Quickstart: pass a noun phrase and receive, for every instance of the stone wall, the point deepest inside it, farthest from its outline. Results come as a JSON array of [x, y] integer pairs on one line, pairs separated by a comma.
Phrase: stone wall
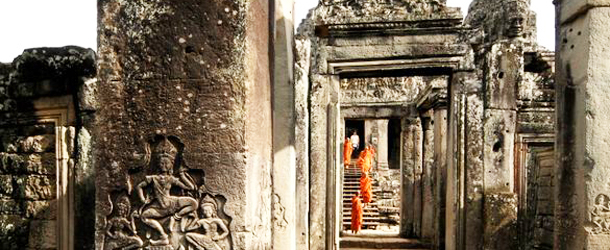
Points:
[[28, 197], [43, 173]]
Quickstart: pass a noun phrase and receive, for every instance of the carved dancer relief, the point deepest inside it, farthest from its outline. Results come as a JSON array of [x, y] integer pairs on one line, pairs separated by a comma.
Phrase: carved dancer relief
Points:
[[167, 196], [600, 215], [120, 231], [210, 232], [279, 216]]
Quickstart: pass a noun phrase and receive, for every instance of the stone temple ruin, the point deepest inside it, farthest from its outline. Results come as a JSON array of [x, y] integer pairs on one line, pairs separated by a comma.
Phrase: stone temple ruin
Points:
[[211, 125]]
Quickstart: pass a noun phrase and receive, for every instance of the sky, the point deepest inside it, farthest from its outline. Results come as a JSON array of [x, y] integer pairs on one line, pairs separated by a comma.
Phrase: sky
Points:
[[55, 23]]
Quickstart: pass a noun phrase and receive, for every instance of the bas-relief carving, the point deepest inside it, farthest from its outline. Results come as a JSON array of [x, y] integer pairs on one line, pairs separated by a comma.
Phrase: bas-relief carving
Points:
[[360, 11], [279, 217], [600, 215], [173, 210], [385, 89]]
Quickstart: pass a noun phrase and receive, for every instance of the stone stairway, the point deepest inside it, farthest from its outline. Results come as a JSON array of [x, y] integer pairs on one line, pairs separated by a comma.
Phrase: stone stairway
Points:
[[351, 185], [381, 242]]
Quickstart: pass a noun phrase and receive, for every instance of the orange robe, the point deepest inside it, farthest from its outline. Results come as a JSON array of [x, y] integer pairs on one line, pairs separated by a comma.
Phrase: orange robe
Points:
[[366, 188], [365, 159], [347, 152], [357, 213]]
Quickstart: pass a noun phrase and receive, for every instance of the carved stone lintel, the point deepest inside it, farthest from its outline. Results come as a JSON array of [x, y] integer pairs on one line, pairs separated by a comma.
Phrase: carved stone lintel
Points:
[[371, 11]]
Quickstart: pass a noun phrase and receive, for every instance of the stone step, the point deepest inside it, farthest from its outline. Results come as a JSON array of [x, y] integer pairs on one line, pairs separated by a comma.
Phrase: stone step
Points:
[[380, 242]]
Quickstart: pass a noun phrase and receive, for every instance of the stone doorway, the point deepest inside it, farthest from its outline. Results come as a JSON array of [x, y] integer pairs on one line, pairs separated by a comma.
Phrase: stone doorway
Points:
[[382, 215]]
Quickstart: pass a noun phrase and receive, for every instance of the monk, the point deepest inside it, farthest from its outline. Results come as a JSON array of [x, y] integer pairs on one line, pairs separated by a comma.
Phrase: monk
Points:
[[357, 213]]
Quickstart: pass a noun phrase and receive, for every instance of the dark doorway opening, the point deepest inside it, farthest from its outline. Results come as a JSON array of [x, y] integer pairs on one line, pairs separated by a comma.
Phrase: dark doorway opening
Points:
[[358, 127], [394, 144]]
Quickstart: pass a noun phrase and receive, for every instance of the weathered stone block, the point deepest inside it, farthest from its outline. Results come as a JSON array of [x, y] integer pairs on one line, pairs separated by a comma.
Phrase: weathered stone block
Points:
[[505, 64], [545, 193], [36, 143], [10, 207], [6, 186], [35, 187], [41, 209], [545, 207], [11, 163], [44, 164], [43, 234], [14, 232], [501, 221], [499, 127]]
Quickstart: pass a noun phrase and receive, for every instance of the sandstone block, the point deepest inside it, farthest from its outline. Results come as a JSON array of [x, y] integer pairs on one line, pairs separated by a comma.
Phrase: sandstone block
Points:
[[10, 207], [35, 187], [41, 209], [6, 186], [13, 232], [43, 234]]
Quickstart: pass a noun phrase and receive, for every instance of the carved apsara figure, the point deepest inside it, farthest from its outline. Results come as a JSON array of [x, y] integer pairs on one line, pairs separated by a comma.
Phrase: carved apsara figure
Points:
[[210, 239], [160, 204], [120, 232], [600, 215]]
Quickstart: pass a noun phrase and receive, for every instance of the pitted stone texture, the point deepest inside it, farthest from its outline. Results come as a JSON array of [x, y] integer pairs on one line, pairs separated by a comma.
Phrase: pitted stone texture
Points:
[[501, 221]]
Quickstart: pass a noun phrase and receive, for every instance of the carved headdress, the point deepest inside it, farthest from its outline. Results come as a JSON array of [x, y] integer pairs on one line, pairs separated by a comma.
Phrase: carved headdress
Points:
[[209, 201], [166, 149]]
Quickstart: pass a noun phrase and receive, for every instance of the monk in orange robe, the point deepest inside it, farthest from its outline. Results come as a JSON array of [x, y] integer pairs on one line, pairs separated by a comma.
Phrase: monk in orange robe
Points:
[[357, 213], [347, 152], [366, 188]]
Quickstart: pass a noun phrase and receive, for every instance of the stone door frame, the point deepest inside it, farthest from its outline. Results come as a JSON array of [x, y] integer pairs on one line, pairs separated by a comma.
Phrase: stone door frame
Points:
[[329, 106], [61, 113], [64, 143]]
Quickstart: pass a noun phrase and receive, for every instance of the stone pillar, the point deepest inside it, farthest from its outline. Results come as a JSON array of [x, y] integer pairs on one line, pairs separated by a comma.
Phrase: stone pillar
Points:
[[407, 177], [418, 141], [582, 150], [301, 100], [428, 206], [505, 68], [440, 165], [320, 98], [284, 155], [464, 213], [185, 104], [382, 143]]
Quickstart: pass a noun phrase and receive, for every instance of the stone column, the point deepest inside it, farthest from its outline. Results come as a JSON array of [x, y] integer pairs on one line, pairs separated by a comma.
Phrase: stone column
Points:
[[284, 155], [382, 143], [505, 67], [185, 103], [428, 206], [407, 177], [418, 141], [440, 165], [301, 90], [320, 98], [464, 213], [583, 168]]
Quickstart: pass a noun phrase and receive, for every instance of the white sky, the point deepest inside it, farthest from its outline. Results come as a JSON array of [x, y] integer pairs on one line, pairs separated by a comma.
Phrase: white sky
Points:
[[55, 23]]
